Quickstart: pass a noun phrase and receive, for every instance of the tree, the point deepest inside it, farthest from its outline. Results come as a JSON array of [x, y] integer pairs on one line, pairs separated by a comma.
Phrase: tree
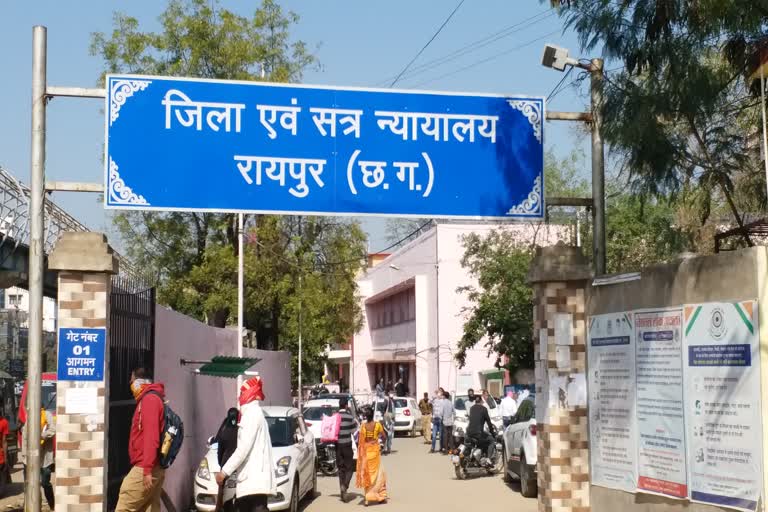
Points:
[[501, 310], [502, 302], [194, 255], [678, 114]]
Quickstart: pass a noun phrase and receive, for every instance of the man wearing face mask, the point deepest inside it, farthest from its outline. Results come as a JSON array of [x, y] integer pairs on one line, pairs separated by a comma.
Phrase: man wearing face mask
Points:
[[143, 485]]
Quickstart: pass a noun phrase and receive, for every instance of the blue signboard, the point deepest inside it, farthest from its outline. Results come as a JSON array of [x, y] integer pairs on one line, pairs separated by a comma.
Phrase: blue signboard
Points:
[[81, 354], [225, 146]]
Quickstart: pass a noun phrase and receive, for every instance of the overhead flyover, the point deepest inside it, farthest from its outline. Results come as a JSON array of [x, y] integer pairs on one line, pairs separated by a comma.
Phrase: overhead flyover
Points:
[[14, 235]]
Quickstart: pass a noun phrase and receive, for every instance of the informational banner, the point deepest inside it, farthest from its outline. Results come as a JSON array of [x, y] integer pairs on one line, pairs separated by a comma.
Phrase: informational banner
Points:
[[208, 145], [722, 364], [661, 456], [81, 354], [613, 445]]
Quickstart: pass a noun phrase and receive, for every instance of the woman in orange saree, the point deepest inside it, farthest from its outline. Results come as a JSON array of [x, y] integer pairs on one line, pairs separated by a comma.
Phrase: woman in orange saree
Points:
[[370, 477]]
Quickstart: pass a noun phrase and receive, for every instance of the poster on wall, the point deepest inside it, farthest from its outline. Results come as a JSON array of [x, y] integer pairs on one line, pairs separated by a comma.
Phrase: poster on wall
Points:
[[661, 454], [723, 403], [613, 454]]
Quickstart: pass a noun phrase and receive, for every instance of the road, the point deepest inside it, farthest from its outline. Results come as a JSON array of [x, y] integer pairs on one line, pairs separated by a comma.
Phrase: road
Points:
[[418, 480]]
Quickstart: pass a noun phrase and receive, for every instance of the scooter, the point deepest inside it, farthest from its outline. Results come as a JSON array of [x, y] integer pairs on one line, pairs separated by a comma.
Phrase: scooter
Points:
[[469, 458], [326, 458]]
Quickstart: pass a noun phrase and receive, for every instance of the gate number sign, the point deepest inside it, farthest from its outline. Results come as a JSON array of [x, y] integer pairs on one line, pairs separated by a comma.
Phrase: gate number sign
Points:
[[81, 354]]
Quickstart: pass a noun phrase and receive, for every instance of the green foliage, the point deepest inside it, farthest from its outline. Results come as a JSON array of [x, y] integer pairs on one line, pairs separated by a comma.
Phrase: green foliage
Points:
[[194, 255], [502, 309], [679, 115]]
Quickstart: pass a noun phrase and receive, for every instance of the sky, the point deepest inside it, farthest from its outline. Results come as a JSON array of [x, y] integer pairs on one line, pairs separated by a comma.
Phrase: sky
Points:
[[358, 43]]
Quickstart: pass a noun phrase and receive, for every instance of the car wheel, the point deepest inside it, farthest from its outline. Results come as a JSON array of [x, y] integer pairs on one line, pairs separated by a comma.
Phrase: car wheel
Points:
[[528, 485], [413, 430], [507, 476], [294, 506]]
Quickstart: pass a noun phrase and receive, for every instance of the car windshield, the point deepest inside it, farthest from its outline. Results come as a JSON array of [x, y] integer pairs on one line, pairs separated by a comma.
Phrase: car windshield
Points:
[[280, 431], [316, 413], [491, 402], [401, 403], [381, 406]]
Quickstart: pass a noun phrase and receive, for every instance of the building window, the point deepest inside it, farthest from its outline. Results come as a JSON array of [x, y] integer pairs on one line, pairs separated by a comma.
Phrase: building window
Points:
[[397, 309], [14, 300]]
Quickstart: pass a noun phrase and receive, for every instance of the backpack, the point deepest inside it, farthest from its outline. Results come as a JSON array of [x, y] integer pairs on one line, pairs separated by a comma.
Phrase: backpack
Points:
[[171, 436], [329, 428]]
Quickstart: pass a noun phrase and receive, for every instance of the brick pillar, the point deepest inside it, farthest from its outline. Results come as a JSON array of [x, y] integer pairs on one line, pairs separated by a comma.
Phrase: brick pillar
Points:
[[559, 277], [85, 263]]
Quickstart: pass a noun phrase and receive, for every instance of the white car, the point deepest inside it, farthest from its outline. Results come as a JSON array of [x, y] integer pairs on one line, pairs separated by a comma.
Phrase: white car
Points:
[[327, 405], [520, 451], [461, 420], [293, 450], [407, 415]]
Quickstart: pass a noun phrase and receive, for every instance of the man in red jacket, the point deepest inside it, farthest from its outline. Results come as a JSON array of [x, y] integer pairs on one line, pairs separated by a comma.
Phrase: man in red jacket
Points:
[[143, 485]]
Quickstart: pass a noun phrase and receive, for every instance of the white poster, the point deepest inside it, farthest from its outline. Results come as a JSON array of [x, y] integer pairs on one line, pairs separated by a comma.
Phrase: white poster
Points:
[[563, 329], [612, 423], [81, 401], [661, 457], [543, 344], [722, 364]]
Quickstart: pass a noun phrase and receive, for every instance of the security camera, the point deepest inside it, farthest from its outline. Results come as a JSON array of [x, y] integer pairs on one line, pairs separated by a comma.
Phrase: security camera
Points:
[[555, 57]]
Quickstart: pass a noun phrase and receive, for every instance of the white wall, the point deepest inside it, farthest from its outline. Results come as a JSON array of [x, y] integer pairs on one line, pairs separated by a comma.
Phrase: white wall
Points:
[[439, 321], [49, 307]]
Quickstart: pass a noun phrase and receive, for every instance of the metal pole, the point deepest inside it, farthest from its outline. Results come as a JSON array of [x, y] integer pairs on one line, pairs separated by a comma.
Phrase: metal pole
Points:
[[37, 191], [765, 131], [598, 167], [240, 293], [300, 347]]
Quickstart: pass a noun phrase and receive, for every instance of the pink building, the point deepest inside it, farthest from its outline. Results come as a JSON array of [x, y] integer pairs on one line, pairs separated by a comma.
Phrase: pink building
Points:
[[412, 314]]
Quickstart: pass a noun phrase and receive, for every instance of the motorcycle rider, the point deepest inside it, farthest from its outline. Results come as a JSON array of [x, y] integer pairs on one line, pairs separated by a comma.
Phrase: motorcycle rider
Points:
[[478, 418]]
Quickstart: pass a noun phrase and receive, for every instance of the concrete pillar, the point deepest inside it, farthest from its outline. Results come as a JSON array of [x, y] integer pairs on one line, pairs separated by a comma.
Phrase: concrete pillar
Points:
[[85, 263], [559, 277]]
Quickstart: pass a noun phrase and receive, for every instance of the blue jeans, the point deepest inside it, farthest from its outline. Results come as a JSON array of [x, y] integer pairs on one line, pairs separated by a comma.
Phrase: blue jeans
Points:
[[437, 427]]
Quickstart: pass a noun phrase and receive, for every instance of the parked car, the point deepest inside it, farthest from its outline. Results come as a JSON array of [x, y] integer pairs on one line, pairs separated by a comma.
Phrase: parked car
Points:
[[327, 405], [461, 420], [293, 450], [519, 448], [407, 416]]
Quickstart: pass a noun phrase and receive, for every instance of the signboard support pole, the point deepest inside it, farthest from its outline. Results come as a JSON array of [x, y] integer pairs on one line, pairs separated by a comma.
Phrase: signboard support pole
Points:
[[37, 175], [598, 167], [240, 294]]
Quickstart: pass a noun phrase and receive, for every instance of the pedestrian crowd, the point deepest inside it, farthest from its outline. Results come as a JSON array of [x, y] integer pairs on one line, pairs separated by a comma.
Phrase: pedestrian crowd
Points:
[[245, 448]]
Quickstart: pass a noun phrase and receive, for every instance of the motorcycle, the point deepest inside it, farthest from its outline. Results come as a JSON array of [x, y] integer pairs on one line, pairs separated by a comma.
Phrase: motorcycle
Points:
[[469, 458], [326, 458]]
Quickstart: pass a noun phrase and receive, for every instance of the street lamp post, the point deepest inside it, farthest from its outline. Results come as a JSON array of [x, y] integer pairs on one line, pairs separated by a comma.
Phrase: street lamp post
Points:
[[557, 58]]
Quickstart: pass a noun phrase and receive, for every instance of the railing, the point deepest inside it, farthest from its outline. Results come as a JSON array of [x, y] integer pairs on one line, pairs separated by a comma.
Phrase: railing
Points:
[[14, 221]]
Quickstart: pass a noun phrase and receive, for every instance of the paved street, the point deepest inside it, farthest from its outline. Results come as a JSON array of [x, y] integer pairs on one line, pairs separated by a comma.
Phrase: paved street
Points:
[[420, 481]]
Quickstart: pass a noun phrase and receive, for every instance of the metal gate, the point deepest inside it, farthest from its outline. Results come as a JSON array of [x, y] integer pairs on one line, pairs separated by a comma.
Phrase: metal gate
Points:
[[131, 345]]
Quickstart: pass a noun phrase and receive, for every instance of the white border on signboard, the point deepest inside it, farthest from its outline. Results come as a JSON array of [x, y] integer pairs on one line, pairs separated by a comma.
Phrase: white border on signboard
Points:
[[509, 218]]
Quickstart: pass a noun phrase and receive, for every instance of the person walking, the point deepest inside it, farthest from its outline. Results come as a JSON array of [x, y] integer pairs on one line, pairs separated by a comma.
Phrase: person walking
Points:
[[370, 477], [508, 408], [389, 424], [437, 420], [47, 467], [5, 430], [344, 455], [449, 415], [143, 485], [425, 406], [252, 460]]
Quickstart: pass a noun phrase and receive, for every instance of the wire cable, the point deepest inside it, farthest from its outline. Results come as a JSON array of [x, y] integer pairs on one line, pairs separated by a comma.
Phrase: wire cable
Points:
[[476, 45], [492, 57], [560, 83], [397, 78]]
